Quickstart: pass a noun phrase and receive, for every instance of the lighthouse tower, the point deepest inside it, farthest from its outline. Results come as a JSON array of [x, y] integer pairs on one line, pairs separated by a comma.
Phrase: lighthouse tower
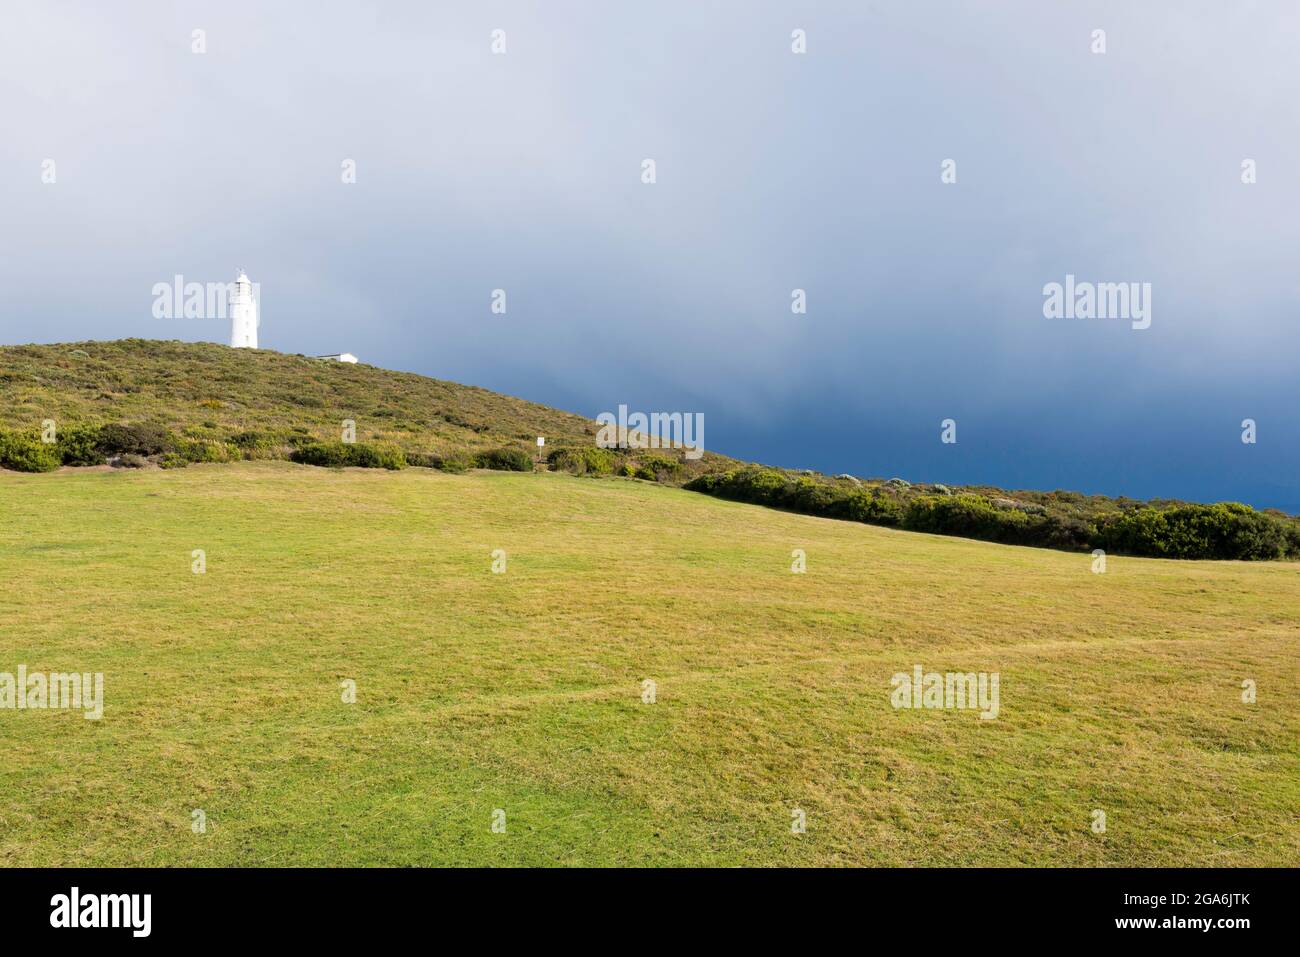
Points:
[[243, 314]]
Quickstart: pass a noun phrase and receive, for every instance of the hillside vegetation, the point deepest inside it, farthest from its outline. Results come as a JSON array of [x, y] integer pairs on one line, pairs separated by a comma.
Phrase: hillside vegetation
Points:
[[1068, 520], [211, 391], [174, 403], [524, 691], [139, 403]]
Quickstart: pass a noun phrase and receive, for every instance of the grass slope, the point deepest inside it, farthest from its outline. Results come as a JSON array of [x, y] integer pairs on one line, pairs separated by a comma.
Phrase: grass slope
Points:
[[201, 388], [521, 691]]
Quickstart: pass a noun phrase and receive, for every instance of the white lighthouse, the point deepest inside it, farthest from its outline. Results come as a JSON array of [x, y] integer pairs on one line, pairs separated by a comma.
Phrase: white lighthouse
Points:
[[243, 314]]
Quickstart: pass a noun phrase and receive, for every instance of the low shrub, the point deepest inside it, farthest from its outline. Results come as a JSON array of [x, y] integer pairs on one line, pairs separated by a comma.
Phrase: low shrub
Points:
[[261, 445], [354, 454], [79, 445], [367, 456], [1227, 530], [1069, 532], [967, 515], [27, 453], [872, 508], [1293, 539], [504, 460], [456, 462], [450, 462], [757, 485], [173, 460], [136, 439], [207, 450], [248, 440], [326, 454], [656, 468], [583, 460]]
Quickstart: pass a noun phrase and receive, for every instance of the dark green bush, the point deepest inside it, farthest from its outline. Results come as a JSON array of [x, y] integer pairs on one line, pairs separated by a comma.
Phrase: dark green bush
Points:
[[328, 454], [452, 462], [754, 484], [872, 508], [356, 454], [583, 460], [1069, 532], [1293, 539], [455, 462], [137, 439], [655, 468], [26, 453], [249, 440], [79, 445], [811, 497], [1227, 530], [262, 445], [367, 456], [208, 450], [775, 489], [504, 460], [971, 516]]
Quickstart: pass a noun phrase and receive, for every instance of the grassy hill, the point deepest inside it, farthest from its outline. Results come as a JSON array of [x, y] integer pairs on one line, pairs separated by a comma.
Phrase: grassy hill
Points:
[[209, 391], [174, 403], [522, 691], [140, 402]]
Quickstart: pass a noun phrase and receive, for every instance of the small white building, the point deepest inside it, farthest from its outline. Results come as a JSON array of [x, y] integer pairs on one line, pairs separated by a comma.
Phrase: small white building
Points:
[[243, 314], [340, 357]]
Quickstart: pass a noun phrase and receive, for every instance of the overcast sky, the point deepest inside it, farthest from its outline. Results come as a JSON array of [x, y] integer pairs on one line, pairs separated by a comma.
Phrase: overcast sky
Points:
[[775, 171]]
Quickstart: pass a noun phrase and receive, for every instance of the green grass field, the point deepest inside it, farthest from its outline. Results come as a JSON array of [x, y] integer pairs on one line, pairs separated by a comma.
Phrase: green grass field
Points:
[[522, 691]]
